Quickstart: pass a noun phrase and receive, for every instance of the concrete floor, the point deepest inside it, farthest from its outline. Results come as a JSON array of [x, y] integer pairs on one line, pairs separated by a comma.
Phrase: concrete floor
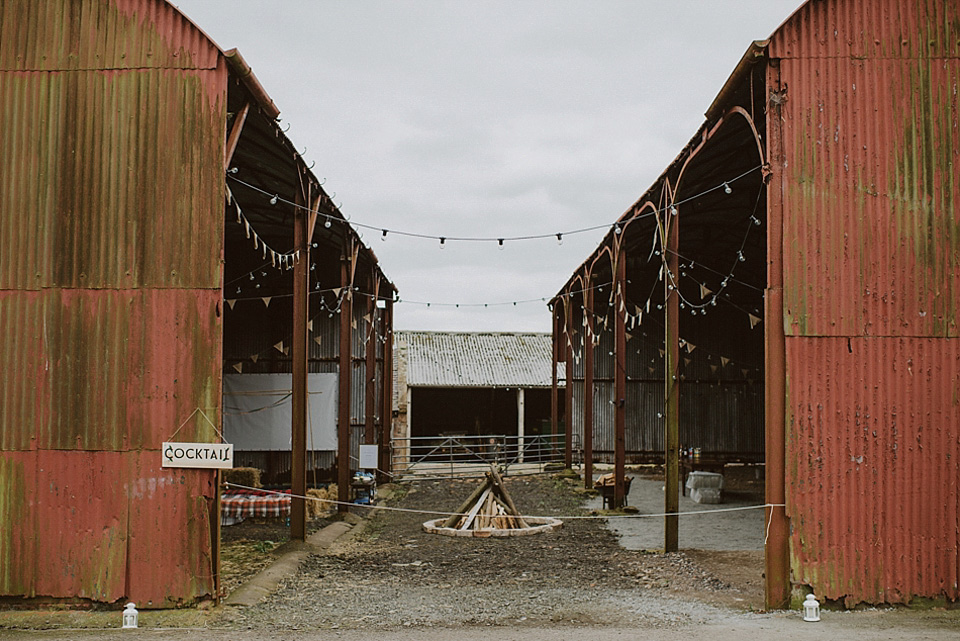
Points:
[[701, 526]]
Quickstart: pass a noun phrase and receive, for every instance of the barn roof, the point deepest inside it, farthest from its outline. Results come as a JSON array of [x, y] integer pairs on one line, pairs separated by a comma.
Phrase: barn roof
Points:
[[467, 359]]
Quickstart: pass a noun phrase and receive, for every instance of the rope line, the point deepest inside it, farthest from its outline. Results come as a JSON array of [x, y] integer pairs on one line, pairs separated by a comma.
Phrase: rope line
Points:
[[568, 518]]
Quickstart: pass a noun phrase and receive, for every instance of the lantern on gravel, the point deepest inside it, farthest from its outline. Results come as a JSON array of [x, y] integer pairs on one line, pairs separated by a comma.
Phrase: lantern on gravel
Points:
[[130, 616], [811, 609]]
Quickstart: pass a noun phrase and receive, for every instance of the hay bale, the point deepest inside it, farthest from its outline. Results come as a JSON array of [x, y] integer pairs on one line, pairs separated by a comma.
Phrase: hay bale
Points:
[[246, 476], [318, 509]]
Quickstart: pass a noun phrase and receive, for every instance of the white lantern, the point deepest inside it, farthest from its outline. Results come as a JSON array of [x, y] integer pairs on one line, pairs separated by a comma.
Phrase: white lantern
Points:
[[811, 609], [130, 616]]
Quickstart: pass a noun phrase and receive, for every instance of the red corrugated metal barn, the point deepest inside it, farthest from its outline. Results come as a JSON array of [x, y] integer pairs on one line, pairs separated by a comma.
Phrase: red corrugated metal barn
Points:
[[142, 169], [788, 290]]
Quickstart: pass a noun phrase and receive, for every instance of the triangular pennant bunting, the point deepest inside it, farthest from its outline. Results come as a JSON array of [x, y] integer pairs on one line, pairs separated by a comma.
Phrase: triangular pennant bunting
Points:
[[231, 302], [753, 320], [724, 360], [238, 367], [255, 357], [266, 301], [279, 347], [705, 291]]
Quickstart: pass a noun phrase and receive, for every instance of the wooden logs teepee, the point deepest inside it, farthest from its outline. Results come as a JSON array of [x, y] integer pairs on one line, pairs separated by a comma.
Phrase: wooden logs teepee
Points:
[[489, 507]]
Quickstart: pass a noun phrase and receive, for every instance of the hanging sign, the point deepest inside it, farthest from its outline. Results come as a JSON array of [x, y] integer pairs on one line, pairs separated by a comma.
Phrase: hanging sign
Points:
[[197, 455]]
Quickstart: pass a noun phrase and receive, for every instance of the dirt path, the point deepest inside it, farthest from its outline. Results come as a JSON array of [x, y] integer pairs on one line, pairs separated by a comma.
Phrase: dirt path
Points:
[[390, 579]]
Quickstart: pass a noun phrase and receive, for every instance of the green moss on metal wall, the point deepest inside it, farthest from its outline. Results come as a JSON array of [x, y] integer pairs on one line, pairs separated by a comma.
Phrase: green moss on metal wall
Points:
[[923, 186], [13, 516]]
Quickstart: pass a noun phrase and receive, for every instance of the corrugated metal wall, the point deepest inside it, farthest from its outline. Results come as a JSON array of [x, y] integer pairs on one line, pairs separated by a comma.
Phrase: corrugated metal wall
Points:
[[111, 198], [871, 289], [721, 394]]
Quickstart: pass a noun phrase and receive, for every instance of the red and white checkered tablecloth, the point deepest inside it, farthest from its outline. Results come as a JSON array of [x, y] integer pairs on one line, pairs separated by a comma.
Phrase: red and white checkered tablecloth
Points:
[[247, 503]]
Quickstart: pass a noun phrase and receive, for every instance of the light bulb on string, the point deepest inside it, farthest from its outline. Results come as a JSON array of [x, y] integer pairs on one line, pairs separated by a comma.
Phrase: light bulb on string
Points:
[[273, 201], [559, 239], [727, 189], [740, 257], [384, 236], [442, 242], [500, 243], [616, 229], [673, 210], [327, 223]]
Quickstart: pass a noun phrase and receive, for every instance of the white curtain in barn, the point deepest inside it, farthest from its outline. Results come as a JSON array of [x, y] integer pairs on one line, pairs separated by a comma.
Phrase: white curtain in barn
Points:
[[257, 411]]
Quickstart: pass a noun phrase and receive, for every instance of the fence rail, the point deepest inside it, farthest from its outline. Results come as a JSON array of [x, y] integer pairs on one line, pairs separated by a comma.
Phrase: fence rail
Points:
[[424, 457]]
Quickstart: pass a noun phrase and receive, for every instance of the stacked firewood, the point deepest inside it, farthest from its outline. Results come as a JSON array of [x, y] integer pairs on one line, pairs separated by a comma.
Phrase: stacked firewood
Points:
[[489, 507]]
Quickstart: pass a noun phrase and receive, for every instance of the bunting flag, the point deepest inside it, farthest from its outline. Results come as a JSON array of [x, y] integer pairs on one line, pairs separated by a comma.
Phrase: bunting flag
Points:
[[744, 372], [662, 353], [309, 325], [336, 291], [687, 361], [652, 369], [705, 291], [254, 357], [279, 347], [266, 301], [286, 351], [714, 368], [231, 302], [690, 347], [238, 367], [647, 309], [353, 323], [753, 320], [317, 340], [724, 360]]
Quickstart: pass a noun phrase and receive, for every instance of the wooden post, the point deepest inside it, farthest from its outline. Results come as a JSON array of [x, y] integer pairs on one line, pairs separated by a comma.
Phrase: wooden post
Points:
[[588, 354], [344, 375], [620, 380], [671, 497], [301, 307]]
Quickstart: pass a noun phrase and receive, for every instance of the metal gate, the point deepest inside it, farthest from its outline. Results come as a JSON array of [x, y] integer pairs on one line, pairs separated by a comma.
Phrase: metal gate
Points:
[[425, 457]]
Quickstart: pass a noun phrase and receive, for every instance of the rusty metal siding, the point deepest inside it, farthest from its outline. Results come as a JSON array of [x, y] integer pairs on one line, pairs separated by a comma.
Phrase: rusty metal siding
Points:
[[111, 370], [873, 466], [870, 132], [121, 34], [111, 198], [113, 179], [872, 197], [869, 29], [121, 525]]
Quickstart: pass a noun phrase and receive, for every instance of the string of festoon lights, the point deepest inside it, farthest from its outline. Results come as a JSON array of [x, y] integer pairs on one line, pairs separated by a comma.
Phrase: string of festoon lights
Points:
[[284, 261]]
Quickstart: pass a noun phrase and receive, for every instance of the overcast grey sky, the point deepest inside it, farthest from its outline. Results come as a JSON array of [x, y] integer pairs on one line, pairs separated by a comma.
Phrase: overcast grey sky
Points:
[[490, 119]]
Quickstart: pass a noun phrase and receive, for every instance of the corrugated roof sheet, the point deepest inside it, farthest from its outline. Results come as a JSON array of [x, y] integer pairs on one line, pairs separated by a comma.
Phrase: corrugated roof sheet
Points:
[[464, 359]]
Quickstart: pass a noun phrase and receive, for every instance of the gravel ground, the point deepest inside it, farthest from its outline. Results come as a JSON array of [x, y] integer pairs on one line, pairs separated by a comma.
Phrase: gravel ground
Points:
[[389, 573]]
